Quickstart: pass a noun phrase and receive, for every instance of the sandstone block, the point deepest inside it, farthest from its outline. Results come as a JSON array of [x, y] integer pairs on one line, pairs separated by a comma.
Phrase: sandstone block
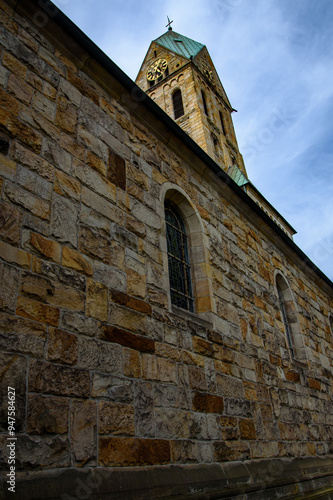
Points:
[[37, 206], [66, 185], [14, 65], [75, 260], [43, 105], [62, 347], [96, 163], [229, 386], [230, 451], [84, 433], [82, 86], [54, 379], [207, 403], [9, 277], [64, 218], [133, 451], [20, 335], [172, 423], [13, 373], [37, 311], [247, 429], [136, 283], [127, 319], [127, 339], [20, 89], [57, 156], [135, 226], [97, 300], [7, 166], [66, 276], [96, 182], [116, 172], [9, 103], [20, 130], [160, 369], [47, 415], [49, 249], [115, 418], [32, 161], [66, 116], [237, 407], [102, 206], [132, 363], [202, 346], [100, 355], [70, 145], [110, 276], [113, 388], [197, 378], [102, 248], [126, 300], [79, 324]]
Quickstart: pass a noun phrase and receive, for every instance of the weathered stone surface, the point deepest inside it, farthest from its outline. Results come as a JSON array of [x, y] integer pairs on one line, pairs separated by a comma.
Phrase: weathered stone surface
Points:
[[21, 335], [62, 347], [66, 115], [13, 374], [37, 311], [172, 423], [207, 403], [100, 355], [10, 223], [136, 283], [47, 248], [133, 451], [229, 386], [51, 292], [14, 255], [229, 451], [247, 429], [132, 363], [127, 319], [116, 172], [110, 276], [79, 324], [197, 378], [66, 185], [113, 388], [9, 277], [37, 206], [84, 433], [63, 275], [55, 379], [238, 407], [33, 161], [97, 245], [33, 182], [126, 300], [75, 260], [47, 415], [57, 157], [159, 369], [21, 131], [96, 182], [127, 339], [116, 419], [64, 218], [97, 300]]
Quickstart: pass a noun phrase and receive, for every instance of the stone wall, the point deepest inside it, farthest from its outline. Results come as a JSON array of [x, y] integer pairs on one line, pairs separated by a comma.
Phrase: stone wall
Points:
[[106, 372]]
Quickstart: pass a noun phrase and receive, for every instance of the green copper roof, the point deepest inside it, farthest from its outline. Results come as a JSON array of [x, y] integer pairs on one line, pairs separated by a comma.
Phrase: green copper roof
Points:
[[237, 175], [180, 44]]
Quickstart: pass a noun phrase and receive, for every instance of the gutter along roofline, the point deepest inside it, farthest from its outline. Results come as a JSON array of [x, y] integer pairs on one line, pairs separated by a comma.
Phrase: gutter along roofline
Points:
[[138, 95]]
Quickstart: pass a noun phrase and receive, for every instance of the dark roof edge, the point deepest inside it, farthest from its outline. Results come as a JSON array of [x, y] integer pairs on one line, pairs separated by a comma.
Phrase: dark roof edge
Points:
[[94, 51]]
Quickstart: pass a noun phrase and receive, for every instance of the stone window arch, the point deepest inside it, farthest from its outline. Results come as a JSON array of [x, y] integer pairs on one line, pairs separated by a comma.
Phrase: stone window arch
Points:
[[289, 318], [198, 250], [177, 101]]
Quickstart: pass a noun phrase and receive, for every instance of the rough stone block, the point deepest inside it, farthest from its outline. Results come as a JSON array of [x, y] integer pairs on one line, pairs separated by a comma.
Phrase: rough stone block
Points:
[[64, 219], [97, 300], [75, 260], [62, 347], [207, 403], [37, 311], [13, 374], [113, 388], [100, 355], [116, 419], [19, 196], [133, 451], [10, 223], [126, 300], [66, 185], [127, 339], [132, 363], [55, 379], [49, 249], [84, 433], [102, 248], [21, 335], [79, 324], [9, 277], [47, 415]]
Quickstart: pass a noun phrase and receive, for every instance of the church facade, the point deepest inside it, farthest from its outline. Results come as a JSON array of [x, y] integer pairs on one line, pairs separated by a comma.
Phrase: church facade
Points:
[[162, 336]]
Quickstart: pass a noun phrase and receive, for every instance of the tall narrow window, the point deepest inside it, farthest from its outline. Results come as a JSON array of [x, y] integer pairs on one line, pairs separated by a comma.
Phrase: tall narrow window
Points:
[[178, 260], [331, 322], [204, 102], [177, 101], [222, 123]]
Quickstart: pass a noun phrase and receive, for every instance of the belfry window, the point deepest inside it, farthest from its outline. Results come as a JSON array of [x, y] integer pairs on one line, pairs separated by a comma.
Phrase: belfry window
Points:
[[222, 123], [177, 101], [331, 322], [178, 259], [204, 102]]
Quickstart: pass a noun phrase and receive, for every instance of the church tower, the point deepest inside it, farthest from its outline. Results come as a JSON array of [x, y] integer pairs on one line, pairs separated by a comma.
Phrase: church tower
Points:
[[179, 75]]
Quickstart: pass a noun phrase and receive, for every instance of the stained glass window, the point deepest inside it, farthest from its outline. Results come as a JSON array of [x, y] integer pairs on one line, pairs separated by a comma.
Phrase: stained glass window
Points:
[[178, 260]]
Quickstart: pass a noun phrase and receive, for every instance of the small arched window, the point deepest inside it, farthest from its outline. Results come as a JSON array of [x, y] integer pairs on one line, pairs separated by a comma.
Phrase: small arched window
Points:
[[178, 259], [222, 123], [177, 102], [204, 102]]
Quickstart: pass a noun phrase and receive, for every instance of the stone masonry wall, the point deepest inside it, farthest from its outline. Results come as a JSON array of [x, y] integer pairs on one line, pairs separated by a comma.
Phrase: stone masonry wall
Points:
[[106, 372]]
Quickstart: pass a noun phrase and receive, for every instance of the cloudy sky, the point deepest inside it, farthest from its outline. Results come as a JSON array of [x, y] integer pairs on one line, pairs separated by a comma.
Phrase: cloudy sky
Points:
[[275, 60]]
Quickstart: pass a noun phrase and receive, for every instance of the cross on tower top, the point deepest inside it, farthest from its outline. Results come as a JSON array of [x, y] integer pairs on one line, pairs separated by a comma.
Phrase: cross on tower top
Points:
[[169, 24]]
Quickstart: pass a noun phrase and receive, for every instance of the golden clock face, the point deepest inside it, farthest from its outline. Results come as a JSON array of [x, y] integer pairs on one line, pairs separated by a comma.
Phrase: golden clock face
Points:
[[156, 69]]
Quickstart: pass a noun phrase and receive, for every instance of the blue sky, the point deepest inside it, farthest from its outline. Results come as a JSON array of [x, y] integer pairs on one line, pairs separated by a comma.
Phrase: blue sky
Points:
[[275, 60]]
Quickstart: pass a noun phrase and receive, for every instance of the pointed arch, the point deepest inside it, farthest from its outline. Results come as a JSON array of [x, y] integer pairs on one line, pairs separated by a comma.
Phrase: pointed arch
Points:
[[289, 318]]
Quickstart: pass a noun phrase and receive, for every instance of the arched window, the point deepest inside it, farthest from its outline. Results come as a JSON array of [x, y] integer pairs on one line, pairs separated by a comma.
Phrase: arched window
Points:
[[289, 317], [178, 260], [204, 102], [222, 123], [177, 101], [330, 318]]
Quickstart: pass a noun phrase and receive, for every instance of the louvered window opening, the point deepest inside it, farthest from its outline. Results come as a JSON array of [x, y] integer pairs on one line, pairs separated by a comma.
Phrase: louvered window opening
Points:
[[204, 102], [178, 261], [178, 107], [286, 322]]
